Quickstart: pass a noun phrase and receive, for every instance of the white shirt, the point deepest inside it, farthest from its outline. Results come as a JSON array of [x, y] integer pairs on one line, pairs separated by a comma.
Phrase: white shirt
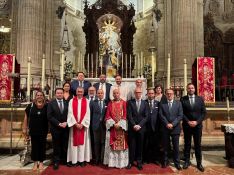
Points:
[[123, 91], [103, 87]]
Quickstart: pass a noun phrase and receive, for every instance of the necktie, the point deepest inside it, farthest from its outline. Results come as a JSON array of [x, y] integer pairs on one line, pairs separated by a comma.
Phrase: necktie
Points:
[[61, 106], [91, 98], [138, 106], [100, 104], [80, 84], [101, 87], [191, 101], [170, 106], [151, 106]]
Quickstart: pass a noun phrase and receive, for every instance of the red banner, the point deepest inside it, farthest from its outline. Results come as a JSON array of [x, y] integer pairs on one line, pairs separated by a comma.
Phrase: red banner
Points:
[[206, 78], [6, 65]]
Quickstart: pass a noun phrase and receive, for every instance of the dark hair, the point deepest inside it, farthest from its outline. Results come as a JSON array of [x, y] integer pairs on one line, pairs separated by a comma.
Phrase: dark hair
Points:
[[169, 89], [118, 76], [59, 88], [80, 72], [158, 85], [191, 84], [66, 83]]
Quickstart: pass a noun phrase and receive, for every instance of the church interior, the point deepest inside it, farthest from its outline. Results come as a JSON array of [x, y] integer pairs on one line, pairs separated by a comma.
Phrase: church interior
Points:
[[167, 42]]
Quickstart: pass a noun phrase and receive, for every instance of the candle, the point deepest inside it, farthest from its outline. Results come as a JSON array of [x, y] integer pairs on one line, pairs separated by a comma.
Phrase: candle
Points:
[[88, 65], [152, 63], [122, 65], [101, 62], [168, 71], [228, 107], [96, 64], [138, 64], [13, 65], [142, 66], [130, 72], [126, 65], [185, 76], [92, 65], [29, 79], [62, 66], [117, 64], [43, 73]]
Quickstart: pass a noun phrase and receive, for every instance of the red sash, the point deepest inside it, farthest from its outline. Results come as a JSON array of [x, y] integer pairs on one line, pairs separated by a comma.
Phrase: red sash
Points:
[[78, 135]]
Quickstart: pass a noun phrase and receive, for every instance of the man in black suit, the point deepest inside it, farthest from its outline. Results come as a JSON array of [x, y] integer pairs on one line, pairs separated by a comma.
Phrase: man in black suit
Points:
[[80, 82], [138, 114], [171, 113], [104, 86], [98, 112], [194, 113], [57, 115], [151, 144], [91, 94]]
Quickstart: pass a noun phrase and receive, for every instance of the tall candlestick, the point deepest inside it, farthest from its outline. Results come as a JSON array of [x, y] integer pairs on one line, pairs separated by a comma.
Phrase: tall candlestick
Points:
[[142, 66], [92, 65], [153, 68], [168, 71], [126, 65], [13, 65], [43, 73], [96, 64], [88, 66], [29, 79], [138, 65], [122, 65], [185, 76], [101, 57], [62, 66], [117, 64], [228, 106], [130, 72], [79, 65]]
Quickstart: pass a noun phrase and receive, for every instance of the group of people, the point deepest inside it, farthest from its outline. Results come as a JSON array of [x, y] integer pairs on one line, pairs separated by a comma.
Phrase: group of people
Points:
[[114, 125]]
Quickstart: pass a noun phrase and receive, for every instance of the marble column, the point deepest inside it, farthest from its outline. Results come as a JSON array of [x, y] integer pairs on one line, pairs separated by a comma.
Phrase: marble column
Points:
[[31, 33], [187, 34]]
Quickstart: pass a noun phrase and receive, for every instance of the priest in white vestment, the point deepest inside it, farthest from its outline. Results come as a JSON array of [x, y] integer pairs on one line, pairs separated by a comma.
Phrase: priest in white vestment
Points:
[[116, 144], [78, 120]]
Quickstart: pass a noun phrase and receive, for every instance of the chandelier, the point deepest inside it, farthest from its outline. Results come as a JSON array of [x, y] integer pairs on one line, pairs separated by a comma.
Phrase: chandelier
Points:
[[65, 44]]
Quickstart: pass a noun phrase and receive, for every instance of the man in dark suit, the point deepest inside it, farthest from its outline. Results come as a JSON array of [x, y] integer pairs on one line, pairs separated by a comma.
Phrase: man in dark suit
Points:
[[91, 94], [171, 113], [194, 113], [98, 112], [57, 115], [80, 82], [151, 143], [104, 86], [138, 114]]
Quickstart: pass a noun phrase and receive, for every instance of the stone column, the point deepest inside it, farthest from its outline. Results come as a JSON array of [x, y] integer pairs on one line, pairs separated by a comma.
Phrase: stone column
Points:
[[31, 33], [187, 34]]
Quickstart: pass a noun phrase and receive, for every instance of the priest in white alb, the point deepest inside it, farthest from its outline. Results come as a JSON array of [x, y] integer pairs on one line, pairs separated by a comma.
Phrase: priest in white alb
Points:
[[78, 120]]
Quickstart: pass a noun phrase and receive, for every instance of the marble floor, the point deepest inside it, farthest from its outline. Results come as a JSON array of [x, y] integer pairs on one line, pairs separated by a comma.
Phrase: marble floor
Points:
[[213, 162]]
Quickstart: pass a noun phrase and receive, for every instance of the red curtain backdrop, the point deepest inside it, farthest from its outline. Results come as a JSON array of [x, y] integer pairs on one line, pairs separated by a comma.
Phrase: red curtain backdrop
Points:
[[6, 63], [206, 78]]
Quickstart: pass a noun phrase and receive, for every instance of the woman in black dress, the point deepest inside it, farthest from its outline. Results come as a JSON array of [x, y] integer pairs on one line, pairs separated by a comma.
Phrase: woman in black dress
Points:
[[36, 126], [67, 92]]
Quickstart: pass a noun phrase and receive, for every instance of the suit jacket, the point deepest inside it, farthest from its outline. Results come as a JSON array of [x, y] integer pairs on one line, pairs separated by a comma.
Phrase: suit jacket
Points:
[[108, 86], [153, 115], [135, 117], [55, 116], [174, 117], [97, 115], [75, 85], [195, 113]]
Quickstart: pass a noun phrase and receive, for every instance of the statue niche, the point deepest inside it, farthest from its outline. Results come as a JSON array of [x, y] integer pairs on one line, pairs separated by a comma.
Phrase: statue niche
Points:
[[109, 33]]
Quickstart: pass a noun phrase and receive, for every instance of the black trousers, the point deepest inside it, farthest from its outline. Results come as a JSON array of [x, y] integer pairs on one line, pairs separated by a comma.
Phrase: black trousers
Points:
[[38, 143], [99, 143], [60, 144], [151, 151], [175, 142], [196, 133], [136, 142]]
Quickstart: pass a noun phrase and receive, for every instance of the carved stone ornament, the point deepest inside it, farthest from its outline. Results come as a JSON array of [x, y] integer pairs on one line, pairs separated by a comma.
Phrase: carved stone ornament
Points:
[[214, 7], [3, 4]]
